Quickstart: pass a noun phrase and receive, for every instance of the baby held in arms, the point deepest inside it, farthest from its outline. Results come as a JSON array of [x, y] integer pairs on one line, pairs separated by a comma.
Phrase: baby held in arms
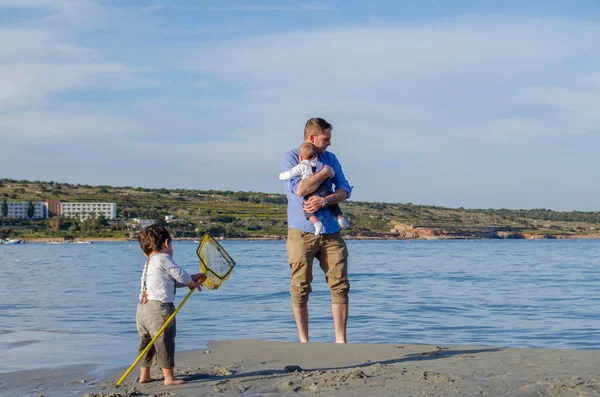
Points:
[[307, 166]]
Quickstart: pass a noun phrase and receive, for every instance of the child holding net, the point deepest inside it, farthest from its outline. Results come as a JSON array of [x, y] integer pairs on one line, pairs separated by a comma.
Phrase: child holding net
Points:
[[309, 164], [160, 277]]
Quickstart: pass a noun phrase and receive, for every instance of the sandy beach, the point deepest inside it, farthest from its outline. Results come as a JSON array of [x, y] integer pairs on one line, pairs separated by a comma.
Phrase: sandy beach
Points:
[[259, 368]]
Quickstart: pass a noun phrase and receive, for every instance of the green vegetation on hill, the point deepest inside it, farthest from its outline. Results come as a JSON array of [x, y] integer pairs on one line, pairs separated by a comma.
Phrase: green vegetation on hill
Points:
[[254, 214]]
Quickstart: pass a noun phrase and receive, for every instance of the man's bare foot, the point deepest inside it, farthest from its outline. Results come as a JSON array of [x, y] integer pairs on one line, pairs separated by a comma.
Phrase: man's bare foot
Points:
[[174, 382], [145, 380]]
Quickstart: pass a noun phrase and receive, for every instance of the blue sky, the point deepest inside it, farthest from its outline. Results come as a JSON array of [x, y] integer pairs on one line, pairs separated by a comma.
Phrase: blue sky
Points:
[[475, 104]]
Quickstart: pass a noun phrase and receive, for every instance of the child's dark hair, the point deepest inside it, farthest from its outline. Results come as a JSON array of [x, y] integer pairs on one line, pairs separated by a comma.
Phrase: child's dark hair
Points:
[[153, 237]]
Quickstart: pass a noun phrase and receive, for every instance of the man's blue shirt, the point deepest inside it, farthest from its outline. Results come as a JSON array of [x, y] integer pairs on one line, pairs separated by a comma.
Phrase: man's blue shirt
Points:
[[296, 218]]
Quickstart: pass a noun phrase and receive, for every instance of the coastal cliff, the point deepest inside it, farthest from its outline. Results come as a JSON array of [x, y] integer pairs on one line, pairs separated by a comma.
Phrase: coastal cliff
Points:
[[407, 231]]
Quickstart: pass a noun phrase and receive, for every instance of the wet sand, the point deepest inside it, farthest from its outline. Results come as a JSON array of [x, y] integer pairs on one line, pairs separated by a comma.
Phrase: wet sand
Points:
[[260, 368]]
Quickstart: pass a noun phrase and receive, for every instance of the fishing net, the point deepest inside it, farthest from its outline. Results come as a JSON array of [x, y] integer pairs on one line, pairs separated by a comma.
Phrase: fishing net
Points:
[[215, 262]]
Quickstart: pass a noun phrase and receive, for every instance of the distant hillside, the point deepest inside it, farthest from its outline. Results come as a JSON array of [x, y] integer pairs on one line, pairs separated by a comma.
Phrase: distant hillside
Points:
[[255, 214]]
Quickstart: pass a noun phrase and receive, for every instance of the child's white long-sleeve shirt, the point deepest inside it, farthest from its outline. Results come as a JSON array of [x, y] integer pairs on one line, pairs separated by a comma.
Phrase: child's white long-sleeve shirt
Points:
[[162, 276]]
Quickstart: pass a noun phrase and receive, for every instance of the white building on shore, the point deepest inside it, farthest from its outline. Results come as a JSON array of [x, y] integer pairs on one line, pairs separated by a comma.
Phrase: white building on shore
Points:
[[84, 211], [18, 210]]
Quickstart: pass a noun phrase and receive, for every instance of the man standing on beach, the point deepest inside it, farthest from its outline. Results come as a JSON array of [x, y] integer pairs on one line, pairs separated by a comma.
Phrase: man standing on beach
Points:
[[303, 246]]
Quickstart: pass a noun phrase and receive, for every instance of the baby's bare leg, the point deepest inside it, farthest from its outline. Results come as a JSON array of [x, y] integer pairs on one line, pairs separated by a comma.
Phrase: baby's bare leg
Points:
[[318, 224]]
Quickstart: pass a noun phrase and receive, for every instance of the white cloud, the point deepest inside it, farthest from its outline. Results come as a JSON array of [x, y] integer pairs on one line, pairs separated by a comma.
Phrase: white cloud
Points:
[[33, 3], [17, 45], [468, 78], [574, 102], [31, 83], [593, 79], [60, 15], [65, 7], [35, 128], [374, 55], [36, 64]]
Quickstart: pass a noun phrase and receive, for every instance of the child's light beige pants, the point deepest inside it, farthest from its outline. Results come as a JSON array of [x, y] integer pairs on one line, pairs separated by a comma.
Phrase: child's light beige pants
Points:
[[150, 317]]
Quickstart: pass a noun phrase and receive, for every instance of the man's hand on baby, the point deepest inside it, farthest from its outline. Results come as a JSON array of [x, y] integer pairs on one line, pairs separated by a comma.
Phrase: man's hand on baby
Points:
[[328, 170], [313, 204]]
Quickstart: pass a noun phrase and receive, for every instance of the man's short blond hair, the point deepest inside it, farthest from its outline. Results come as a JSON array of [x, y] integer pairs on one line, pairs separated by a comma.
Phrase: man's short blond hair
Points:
[[316, 126], [308, 151]]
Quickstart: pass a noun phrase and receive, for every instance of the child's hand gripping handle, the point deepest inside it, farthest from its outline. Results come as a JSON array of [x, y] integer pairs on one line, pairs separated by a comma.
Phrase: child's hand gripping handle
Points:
[[197, 280]]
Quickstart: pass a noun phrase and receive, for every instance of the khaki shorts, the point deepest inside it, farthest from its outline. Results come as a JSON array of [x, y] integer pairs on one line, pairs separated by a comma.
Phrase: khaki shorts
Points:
[[332, 254], [149, 318]]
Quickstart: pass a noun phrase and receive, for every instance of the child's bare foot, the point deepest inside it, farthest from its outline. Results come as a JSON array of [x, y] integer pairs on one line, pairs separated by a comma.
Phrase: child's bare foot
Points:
[[170, 378], [174, 382], [144, 375]]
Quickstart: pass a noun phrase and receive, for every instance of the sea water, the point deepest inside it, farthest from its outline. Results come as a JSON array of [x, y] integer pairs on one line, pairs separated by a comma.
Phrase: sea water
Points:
[[65, 304]]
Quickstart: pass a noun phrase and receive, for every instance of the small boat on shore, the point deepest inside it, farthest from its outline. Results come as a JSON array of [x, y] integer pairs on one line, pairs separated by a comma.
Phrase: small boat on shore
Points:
[[12, 241]]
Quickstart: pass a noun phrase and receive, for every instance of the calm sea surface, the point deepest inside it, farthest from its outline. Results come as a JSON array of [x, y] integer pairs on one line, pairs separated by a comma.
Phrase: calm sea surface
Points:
[[74, 304]]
